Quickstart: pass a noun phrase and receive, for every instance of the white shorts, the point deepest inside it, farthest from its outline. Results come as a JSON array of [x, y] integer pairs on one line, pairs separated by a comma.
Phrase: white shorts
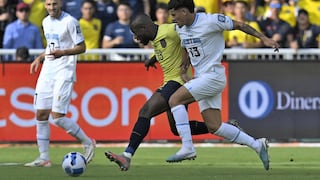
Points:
[[53, 94], [207, 89]]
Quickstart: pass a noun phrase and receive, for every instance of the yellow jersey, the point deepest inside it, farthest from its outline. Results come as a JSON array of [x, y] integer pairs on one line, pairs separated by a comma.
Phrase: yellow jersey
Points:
[[91, 32], [242, 36], [287, 14], [37, 13], [211, 6], [168, 52], [313, 8]]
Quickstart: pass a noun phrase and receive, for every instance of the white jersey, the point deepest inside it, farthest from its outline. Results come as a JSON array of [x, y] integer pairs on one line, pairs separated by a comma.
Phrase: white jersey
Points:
[[61, 33], [204, 40]]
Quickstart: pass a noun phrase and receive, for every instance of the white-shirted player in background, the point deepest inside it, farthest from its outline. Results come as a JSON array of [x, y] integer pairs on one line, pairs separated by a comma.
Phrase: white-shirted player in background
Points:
[[55, 83], [202, 37]]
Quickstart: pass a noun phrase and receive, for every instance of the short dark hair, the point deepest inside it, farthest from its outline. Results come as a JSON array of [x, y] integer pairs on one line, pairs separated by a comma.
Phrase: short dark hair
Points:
[[242, 2], [177, 4], [92, 2], [125, 3], [303, 11], [162, 6], [23, 53], [199, 9], [140, 20]]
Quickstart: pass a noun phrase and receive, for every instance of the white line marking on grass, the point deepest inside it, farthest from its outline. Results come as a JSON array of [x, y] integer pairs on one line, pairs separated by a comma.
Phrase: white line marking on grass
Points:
[[10, 164]]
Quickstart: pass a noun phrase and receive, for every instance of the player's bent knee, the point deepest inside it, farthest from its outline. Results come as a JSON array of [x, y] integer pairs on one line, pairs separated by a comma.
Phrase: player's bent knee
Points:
[[145, 112], [172, 102], [43, 115]]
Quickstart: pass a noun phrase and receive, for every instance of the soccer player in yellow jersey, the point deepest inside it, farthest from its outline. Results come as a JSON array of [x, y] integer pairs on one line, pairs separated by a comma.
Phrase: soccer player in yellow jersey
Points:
[[91, 29], [168, 53]]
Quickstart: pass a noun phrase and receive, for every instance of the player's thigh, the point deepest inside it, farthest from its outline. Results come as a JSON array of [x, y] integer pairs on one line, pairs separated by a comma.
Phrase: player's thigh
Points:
[[206, 86], [43, 95], [213, 102], [181, 96], [158, 102], [62, 93], [169, 89], [155, 105], [211, 111]]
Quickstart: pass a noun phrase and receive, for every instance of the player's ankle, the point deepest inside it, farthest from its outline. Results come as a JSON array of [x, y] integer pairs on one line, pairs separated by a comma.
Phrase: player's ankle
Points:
[[128, 155]]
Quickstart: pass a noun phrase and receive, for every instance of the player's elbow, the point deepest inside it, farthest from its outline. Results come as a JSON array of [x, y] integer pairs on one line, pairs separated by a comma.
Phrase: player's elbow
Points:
[[237, 25]]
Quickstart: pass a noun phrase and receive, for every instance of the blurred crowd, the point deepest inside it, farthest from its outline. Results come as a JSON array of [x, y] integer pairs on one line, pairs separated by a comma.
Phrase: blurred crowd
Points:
[[105, 23]]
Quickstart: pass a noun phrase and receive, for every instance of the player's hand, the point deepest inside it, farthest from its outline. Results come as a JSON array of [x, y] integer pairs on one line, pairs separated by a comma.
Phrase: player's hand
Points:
[[271, 43], [149, 63], [35, 65], [57, 53]]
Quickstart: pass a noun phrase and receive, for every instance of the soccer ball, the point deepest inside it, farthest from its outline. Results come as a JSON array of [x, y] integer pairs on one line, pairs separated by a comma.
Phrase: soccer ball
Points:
[[74, 164]]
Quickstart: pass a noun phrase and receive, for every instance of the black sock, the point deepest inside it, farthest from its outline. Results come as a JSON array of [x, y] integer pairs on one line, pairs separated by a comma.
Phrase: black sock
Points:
[[198, 127], [140, 130]]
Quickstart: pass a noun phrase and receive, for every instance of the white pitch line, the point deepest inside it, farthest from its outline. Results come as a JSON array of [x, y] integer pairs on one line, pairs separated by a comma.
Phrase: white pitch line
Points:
[[10, 164]]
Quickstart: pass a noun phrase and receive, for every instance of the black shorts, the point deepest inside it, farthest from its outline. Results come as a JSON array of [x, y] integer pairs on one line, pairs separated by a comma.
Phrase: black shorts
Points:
[[168, 89]]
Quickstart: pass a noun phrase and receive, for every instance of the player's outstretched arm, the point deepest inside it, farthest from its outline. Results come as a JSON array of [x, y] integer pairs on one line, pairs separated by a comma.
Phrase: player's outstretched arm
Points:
[[250, 30]]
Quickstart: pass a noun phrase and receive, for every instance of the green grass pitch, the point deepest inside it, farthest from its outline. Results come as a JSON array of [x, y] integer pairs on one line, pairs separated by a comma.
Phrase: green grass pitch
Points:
[[231, 163]]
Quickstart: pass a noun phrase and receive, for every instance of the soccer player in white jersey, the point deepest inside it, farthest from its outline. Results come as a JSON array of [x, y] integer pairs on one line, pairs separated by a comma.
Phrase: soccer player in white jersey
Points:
[[202, 37], [55, 82]]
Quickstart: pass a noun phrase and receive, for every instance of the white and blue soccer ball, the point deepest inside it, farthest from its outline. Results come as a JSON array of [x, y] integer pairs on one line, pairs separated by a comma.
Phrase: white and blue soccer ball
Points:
[[74, 164]]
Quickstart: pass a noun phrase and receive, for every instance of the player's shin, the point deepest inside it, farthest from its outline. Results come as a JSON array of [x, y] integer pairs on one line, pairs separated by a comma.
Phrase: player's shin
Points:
[[43, 135], [234, 134], [73, 129], [140, 130], [180, 115]]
